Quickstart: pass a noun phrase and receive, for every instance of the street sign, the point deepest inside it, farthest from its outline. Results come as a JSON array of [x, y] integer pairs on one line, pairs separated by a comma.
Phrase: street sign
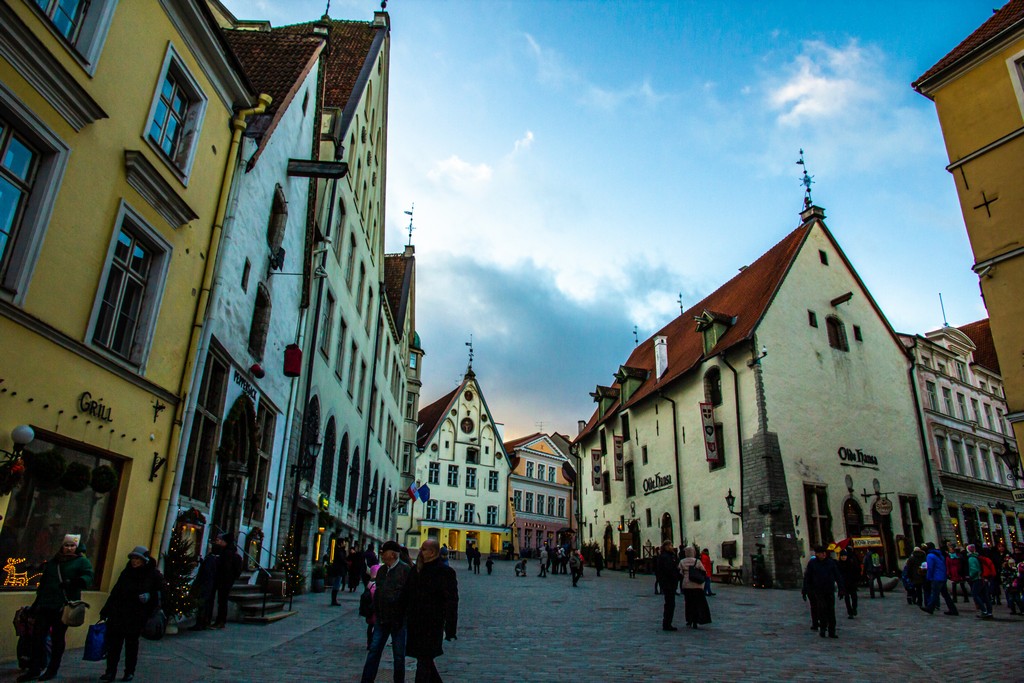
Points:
[[1018, 495], [883, 506]]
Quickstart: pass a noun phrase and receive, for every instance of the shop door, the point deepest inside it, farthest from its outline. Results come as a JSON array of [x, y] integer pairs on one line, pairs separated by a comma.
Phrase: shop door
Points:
[[853, 516], [884, 525]]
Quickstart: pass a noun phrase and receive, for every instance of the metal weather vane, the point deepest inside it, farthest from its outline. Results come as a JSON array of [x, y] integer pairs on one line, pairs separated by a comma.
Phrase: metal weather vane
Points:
[[470, 345], [410, 228], [806, 180]]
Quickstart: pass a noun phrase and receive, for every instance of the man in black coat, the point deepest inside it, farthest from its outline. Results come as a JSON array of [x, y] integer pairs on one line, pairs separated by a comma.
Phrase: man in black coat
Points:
[[820, 581], [666, 571], [389, 611], [132, 600], [432, 603], [229, 568]]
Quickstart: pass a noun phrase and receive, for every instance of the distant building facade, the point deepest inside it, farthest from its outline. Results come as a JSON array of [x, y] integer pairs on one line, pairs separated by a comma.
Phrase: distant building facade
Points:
[[542, 491]]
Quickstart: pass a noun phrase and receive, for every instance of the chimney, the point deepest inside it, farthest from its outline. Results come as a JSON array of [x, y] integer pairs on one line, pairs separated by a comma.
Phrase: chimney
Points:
[[660, 356], [580, 426]]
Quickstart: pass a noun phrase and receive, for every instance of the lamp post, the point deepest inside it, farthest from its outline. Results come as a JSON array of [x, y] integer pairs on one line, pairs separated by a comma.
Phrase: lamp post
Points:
[[593, 527], [730, 501], [371, 500], [22, 435]]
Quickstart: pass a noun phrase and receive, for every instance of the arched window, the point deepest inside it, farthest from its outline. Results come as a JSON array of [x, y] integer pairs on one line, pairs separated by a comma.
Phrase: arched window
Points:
[[328, 455], [666, 528], [339, 491], [353, 482], [386, 524], [260, 325], [836, 333], [278, 220], [713, 387]]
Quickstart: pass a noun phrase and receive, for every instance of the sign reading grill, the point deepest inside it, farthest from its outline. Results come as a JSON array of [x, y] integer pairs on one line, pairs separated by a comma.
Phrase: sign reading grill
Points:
[[657, 483]]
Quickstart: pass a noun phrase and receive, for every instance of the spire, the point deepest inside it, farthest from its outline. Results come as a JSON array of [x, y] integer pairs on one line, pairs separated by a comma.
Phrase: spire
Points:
[[469, 368], [806, 181]]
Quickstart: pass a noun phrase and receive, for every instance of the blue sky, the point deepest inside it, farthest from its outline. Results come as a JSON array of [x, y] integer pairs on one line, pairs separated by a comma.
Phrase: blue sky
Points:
[[576, 167]]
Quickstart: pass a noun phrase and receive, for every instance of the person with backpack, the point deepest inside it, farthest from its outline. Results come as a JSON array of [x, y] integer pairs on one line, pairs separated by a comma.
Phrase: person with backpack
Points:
[[575, 566], [873, 572], [979, 582], [366, 604], [936, 577]]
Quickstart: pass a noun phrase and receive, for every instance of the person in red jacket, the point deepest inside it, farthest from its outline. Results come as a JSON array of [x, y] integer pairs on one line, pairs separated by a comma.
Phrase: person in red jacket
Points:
[[705, 560]]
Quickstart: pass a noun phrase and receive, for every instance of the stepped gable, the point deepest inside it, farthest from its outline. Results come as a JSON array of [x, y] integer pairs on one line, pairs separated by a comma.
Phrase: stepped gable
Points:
[[744, 298], [1009, 18], [980, 332], [431, 416]]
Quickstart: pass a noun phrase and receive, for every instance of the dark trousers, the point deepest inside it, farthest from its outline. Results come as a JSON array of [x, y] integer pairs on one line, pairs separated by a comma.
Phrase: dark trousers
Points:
[[872, 578], [826, 606], [935, 590], [576, 574], [381, 633], [48, 623], [222, 593], [543, 569], [669, 591], [632, 569], [426, 672], [812, 602], [851, 601], [119, 634]]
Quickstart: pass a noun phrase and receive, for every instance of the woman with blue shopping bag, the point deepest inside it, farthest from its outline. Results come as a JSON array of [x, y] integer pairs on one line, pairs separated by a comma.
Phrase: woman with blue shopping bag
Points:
[[133, 599]]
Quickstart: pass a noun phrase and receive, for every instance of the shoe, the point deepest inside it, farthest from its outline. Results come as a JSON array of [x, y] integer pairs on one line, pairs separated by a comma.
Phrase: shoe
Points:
[[669, 628], [27, 676], [47, 675], [711, 594], [128, 677], [832, 635], [821, 633], [335, 604], [109, 676]]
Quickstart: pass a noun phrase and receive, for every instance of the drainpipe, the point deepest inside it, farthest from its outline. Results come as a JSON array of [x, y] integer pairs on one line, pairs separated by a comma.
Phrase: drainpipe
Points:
[[675, 453], [937, 514], [238, 126], [739, 432]]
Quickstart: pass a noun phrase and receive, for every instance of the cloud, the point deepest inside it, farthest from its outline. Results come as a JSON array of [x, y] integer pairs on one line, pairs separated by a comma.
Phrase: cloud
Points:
[[460, 175], [524, 142]]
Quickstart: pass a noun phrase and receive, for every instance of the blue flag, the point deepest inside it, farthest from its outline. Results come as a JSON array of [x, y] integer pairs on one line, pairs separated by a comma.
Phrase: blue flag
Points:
[[424, 493]]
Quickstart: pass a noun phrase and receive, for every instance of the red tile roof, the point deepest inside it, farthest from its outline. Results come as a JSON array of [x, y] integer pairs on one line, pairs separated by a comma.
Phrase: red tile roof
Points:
[[430, 417], [397, 284], [350, 43], [985, 350], [514, 443], [745, 297], [275, 62], [1010, 17]]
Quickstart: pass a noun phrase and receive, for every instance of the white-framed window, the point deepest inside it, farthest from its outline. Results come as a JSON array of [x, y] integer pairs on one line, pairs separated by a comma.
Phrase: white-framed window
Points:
[[434, 473], [551, 473], [32, 163], [517, 500], [339, 362], [131, 287], [551, 506], [529, 469], [561, 507], [972, 464], [529, 501], [933, 399], [540, 504], [453, 475], [176, 116], [947, 400], [431, 509], [469, 513], [958, 456], [451, 511], [492, 515], [492, 481], [987, 411], [471, 478], [540, 471], [81, 24], [940, 444], [326, 323]]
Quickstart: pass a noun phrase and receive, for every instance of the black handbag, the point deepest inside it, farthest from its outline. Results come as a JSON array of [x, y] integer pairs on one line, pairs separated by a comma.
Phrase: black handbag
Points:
[[695, 574]]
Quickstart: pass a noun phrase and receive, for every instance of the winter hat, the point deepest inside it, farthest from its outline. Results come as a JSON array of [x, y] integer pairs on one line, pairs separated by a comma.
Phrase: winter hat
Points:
[[391, 545], [140, 552], [73, 538], [971, 548]]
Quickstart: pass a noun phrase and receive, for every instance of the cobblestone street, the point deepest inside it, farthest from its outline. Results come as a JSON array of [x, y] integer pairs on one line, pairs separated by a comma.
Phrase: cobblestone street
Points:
[[607, 629]]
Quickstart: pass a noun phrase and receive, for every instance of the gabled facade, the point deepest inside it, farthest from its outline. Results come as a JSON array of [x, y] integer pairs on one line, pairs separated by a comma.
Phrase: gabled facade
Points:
[[115, 151], [785, 390], [978, 90], [970, 444], [542, 490], [461, 460], [237, 419]]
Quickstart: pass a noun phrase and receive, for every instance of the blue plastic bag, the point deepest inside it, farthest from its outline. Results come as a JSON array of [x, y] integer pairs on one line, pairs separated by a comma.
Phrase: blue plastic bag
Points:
[[96, 643]]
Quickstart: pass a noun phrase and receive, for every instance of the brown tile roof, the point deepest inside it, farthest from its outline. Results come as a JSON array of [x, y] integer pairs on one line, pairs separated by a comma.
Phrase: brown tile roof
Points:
[[985, 350], [745, 297], [515, 443], [397, 282], [275, 62], [430, 417], [1009, 17], [350, 43]]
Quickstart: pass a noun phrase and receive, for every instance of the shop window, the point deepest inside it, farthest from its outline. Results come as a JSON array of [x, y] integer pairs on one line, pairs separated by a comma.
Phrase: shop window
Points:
[[176, 115], [37, 517], [819, 518], [197, 477]]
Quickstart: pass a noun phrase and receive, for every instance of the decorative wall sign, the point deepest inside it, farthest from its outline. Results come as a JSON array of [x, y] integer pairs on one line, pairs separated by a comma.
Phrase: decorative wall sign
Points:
[[883, 506], [856, 458], [619, 462], [96, 409], [707, 422], [595, 455], [247, 388]]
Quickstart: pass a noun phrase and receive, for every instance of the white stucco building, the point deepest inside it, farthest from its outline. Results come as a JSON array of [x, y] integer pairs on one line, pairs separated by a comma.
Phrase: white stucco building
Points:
[[785, 387]]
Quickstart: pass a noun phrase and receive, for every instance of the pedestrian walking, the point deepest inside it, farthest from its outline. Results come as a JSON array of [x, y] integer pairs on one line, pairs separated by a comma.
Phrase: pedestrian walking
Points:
[[229, 568], [476, 560], [956, 570], [979, 582], [543, 562], [1008, 578], [849, 569], [63, 578], [696, 603], [666, 572], [598, 561], [388, 613], [873, 572], [936, 580], [432, 594], [339, 572], [821, 579], [490, 564], [203, 588], [575, 566], [705, 560], [913, 577], [133, 599], [631, 561], [366, 605], [469, 558], [356, 568]]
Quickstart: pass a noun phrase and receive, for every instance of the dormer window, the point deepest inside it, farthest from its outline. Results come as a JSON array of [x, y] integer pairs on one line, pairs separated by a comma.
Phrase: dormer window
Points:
[[713, 327]]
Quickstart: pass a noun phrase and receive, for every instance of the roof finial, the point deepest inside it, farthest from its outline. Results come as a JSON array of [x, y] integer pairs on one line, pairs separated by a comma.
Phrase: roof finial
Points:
[[410, 228], [470, 345], [327, 12], [680, 302], [636, 336], [383, 5], [806, 181]]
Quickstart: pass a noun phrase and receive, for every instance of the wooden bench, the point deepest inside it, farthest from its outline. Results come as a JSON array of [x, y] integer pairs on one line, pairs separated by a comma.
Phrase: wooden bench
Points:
[[728, 575]]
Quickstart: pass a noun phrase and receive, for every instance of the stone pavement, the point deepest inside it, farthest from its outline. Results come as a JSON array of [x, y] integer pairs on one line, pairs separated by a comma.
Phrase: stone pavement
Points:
[[607, 629]]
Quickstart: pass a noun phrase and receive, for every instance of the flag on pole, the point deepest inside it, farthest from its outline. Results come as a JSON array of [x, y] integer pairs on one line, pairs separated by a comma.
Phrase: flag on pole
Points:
[[423, 493], [413, 491]]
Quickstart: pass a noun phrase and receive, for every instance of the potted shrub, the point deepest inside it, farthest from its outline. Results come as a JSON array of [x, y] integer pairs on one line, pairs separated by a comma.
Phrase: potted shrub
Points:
[[76, 477], [46, 468], [317, 577]]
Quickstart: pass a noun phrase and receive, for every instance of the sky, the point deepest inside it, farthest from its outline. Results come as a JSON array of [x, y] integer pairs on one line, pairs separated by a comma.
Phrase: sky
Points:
[[578, 167]]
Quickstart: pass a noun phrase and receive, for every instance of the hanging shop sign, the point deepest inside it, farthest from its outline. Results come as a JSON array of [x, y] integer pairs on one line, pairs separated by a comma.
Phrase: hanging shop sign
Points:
[[856, 458], [657, 483], [619, 463], [1018, 495], [883, 506], [707, 422], [866, 542], [89, 406], [595, 456]]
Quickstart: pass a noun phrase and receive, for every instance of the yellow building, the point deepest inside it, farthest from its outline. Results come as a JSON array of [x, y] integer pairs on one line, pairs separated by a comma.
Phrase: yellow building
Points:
[[978, 90], [114, 151]]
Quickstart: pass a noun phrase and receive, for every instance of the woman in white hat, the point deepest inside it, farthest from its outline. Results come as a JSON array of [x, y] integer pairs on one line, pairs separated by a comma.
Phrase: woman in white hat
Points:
[[133, 599]]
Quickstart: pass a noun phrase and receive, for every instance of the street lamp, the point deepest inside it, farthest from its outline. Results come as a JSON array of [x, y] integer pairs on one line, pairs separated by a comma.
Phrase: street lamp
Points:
[[306, 462], [371, 499], [730, 502]]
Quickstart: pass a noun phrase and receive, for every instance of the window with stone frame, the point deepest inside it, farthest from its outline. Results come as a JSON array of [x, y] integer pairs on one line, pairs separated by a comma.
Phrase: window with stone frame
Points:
[[561, 507], [259, 327], [819, 517], [176, 115], [932, 396], [451, 511], [492, 515], [453, 475], [256, 500], [201, 455], [339, 488], [326, 323], [327, 457], [353, 481], [606, 488], [434, 473], [713, 387], [529, 469], [471, 478], [432, 509], [469, 513], [940, 446], [551, 473], [540, 504], [551, 506], [529, 502], [81, 24], [339, 361], [630, 479], [836, 333], [913, 529]]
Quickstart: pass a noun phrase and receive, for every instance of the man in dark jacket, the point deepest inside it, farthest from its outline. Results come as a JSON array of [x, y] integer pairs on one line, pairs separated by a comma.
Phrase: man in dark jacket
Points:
[[666, 571], [432, 603], [132, 600], [820, 581], [389, 613], [849, 569], [229, 568], [936, 578]]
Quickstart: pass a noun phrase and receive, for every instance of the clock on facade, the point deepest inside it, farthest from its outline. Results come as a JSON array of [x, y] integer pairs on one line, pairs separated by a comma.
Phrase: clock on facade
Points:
[[468, 395], [467, 425]]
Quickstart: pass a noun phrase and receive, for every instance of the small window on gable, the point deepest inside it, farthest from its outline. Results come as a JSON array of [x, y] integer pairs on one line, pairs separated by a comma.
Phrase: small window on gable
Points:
[[713, 387], [823, 257], [836, 334], [260, 322], [856, 333], [812, 318]]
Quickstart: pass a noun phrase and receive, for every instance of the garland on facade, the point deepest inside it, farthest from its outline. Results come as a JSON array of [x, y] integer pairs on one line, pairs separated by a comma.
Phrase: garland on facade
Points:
[[288, 563], [179, 563]]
